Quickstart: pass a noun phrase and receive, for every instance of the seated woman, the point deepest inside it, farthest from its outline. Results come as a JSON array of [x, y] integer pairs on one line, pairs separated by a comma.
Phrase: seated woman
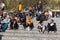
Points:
[[14, 22], [16, 26], [29, 22], [51, 26], [12, 19], [41, 27], [5, 23]]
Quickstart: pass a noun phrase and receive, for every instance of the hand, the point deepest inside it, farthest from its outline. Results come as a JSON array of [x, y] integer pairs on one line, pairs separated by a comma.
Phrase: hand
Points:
[[29, 23], [2, 22]]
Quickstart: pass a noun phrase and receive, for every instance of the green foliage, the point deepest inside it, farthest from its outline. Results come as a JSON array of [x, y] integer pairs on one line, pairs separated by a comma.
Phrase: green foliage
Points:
[[48, 3], [52, 4], [11, 4]]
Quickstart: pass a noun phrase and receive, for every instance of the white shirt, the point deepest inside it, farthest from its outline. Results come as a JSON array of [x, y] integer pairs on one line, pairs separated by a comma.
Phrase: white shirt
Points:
[[41, 25], [50, 13], [51, 24]]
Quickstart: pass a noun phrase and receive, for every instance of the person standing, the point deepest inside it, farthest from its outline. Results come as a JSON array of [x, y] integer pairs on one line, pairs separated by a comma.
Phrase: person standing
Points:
[[39, 6], [20, 7]]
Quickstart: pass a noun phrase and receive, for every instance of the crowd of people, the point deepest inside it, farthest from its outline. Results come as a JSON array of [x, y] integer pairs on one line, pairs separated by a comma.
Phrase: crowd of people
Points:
[[10, 20]]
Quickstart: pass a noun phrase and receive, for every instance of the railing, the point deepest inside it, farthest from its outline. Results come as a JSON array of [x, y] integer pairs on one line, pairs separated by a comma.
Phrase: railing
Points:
[[56, 13]]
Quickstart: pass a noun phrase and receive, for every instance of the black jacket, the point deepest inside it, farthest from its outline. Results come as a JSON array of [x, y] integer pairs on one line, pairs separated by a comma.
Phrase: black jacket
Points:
[[52, 28]]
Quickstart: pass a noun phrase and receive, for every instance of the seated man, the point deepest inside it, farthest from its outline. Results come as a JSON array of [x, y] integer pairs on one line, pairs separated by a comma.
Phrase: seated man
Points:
[[51, 26]]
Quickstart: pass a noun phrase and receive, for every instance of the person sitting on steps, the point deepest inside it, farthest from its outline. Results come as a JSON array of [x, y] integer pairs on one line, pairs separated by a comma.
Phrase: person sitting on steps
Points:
[[41, 27]]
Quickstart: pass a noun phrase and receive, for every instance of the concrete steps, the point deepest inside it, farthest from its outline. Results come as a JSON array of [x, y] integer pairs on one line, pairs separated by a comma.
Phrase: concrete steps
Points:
[[22, 34], [24, 38]]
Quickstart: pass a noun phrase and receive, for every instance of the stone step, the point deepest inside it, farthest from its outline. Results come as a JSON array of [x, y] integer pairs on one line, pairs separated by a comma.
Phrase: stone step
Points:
[[58, 25], [24, 38], [36, 25], [32, 35], [29, 34], [26, 32], [36, 28], [57, 22], [46, 37]]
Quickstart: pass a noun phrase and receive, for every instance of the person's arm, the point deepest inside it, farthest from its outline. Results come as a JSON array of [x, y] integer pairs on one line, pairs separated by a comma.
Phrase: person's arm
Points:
[[6, 21], [31, 20], [48, 25], [2, 22], [55, 26]]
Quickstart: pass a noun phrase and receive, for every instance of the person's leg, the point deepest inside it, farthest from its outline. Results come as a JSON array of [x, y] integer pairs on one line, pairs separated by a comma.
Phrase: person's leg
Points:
[[16, 26], [4, 27], [31, 26], [28, 27], [41, 29], [11, 25], [0, 29], [44, 30], [48, 31], [33, 15], [18, 14], [24, 25], [38, 10]]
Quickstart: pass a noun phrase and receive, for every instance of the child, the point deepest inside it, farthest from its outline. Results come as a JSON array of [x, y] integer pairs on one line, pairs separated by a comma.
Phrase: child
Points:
[[41, 27]]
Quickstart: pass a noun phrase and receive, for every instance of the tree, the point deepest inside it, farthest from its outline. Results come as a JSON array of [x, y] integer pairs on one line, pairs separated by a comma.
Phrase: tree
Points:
[[46, 3]]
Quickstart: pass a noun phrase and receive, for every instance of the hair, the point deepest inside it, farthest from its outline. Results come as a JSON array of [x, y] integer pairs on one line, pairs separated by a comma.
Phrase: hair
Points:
[[19, 2], [28, 14], [40, 21], [23, 13]]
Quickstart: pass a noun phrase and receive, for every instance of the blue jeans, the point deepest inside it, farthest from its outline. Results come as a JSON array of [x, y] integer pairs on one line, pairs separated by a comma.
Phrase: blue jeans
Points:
[[19, 14], [4, 26]]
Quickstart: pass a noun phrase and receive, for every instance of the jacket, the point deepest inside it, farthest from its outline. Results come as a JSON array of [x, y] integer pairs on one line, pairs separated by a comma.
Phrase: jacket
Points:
[[20, 7]]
